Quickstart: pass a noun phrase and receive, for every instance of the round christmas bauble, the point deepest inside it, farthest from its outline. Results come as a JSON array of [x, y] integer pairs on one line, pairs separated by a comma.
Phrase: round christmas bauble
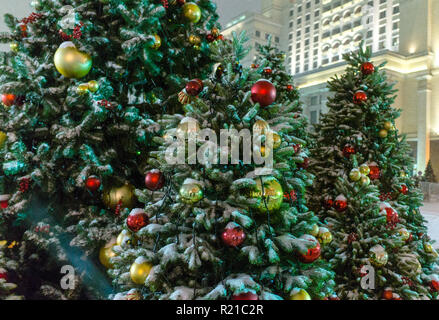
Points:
[[154, 180], [123, 196], [195, 40], [388, 125], [324, 236], [328, 203], [192, 12], [383, 133], [404, 234], [404, 189], [137, 219], [364, 169], [434, 285], [140, 270], [4, 274], [194, 87], [430, 249], [340, 203], [106, 253], [71, 62], [269, 194], [93, 86], [290, 87], [312, 254], [82, 89], [126, 238], [388, 294], [4, 200], [210, 38], [263, 92], [391, 215], [375, 172], [277, 140], [360, 97], [348, 150], [378, 256], [315, 230], [157, 42], [8, 99], [233, 235], [191, 192], [367, 68], [92, 183], [300, 295], [261, 127], [215, 32], [245, 296], [364, 180], [13, 46], [3, 138], [355, 175]]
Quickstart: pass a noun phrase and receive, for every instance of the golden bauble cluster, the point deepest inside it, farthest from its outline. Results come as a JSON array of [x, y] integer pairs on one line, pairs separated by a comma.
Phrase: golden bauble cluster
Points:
[[378, 256], [91, 86], [123, 196], [140, 270], [106, 253], [71, 62]]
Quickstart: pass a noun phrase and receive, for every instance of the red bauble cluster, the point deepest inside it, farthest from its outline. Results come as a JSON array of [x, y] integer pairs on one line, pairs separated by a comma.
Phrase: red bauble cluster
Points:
[[304, 164], [348, 150], [434, 285], [137, 220], [77, 31], [367, 68], [360, 97], [391, 216], [92, 183], [233, 235], [340, 203], [328, 203], [352, 237], [210, 37], [386, 196], [154, 180], [165, 4], [245, 296], [268, 71], [8, 99], [312, 255], [375, 172], [290, 87], [263, 92], [194, 87], [404, 189], [291, 196], [106, 104]]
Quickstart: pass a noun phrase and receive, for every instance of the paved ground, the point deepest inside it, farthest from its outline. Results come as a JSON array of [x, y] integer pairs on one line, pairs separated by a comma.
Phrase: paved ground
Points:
[[430, 210]]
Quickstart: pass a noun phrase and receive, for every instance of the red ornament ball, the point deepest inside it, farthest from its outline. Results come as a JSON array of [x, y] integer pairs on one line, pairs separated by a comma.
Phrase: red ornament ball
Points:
[[8, 99], [312, 255], [154, 180], [367, 68], [137, 220], [245, 296], [3, 274], [340, 204], [375, 172], [348, 150], [254, 66], [210, 37], [4, 201], [404, 189], [92, 183], [181, 2], [388, 294], [290, 87], [328, 203], [233, 235], [268, 70], [392, 215], [194, 87], [360, 97], [434, 285], [263, 92]]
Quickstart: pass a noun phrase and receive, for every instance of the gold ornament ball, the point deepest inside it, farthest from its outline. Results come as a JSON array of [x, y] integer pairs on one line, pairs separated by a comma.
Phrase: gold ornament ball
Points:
[[265, 151], [364, 169], [106, 253], [315, 230], [195, 40], [126, 238], [197, 47], [355, 175], [272, 193], [192, 12], [82, 89], [191, 193], [140, 270], [3, 138], [300, 295], [123, 195], [215, 32], [277, 140], [324, 236], [157, 42], [13, 46], [383, 133], [404, 234], [378, 256], [430, 250], [71, 62], [364, 180], [93, 86], [388, 125], [261, 126]]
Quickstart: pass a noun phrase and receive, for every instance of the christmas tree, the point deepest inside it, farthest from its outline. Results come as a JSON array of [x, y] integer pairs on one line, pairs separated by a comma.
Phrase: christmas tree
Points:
[[429, 175], [79, 87], [230, 229], [7, 266], [365, 192]]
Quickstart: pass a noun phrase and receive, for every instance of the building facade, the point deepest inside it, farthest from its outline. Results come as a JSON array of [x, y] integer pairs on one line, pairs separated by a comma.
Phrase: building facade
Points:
[[404, 33]]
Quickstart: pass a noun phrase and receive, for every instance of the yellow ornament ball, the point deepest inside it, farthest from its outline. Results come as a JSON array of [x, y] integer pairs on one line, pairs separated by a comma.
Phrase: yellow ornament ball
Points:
[[191, 192], [3, 138], [300, 295], [13, 46], [71, 62], [404, 234], [388, 125], [324, 236], [269, 190], [82, 89], [355, 175], [106, 253], [261, 127], [383, 133], [140, 270], [364, 180], [126, 238], [378, 256], [364, 169], [93, 86], [123, 196], [195, 40], [430, 250], [192, 12], [157, 42], [315, 230], [277, 140]]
